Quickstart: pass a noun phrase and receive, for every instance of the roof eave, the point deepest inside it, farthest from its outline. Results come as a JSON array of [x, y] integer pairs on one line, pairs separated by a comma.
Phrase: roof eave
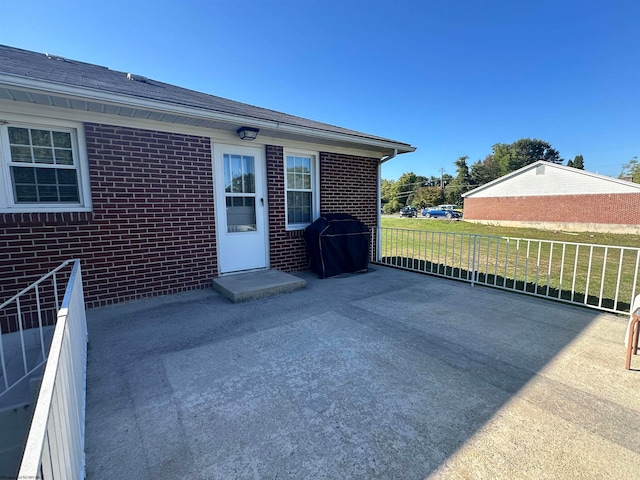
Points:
[[95, 95], [552, 165]]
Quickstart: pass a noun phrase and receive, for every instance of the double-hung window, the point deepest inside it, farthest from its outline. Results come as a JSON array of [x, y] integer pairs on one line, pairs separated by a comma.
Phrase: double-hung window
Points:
[[43, 168], [301, 185]]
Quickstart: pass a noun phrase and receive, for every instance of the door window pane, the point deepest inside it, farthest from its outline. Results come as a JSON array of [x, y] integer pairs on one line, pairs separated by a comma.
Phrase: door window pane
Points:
[[239, 173], [241, 214]]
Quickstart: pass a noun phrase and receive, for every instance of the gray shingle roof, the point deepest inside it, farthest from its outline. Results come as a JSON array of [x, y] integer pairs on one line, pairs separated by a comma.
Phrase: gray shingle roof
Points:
[[71, 73]]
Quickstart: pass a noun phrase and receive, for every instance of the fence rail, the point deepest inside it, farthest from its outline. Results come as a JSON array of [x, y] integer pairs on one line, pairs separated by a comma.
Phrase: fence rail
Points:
[[23, 314], [603, 277], [55, 444]]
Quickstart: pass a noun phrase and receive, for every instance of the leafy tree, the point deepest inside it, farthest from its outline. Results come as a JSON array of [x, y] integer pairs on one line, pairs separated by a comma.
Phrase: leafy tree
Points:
[[462, 171], [391, 207], [407, 185], [484, 171], [389, 196], [397, 194], [523, 152], [412, 189], [631, 169], [428, 196], [501, 155], [388, 190], [527, 151], [461, 183]]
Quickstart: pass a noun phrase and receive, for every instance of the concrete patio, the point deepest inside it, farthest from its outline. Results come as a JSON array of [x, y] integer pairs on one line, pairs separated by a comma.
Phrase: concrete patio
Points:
[[388, 374]]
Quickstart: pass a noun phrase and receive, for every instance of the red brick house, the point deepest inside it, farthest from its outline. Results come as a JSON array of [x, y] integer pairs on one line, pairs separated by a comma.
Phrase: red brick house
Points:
[[152, 186], [549, 196]]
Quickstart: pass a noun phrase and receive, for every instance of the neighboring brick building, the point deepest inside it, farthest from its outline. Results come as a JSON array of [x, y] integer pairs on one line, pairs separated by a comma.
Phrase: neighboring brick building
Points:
[[151, 186], [549, 196]]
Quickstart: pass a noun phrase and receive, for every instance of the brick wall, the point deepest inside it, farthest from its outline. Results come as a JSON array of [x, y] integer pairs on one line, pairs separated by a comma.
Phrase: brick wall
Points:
[[286, 248], [152, 229], [620, 209], [348, 184]]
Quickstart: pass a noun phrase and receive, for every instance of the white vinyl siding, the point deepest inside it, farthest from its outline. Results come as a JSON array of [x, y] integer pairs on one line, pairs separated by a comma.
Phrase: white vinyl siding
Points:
[[548, 179]]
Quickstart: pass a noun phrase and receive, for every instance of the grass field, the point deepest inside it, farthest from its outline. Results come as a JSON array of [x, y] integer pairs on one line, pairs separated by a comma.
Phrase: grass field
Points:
[[393, 221], [594, 269]]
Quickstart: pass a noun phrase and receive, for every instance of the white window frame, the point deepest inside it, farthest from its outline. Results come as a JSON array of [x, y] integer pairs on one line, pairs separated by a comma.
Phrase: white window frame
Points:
[[80, 159], [315, 187]]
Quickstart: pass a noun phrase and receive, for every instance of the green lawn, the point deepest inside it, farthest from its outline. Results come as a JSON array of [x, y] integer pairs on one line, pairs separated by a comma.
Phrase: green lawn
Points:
[[393, 221], [589, 268]]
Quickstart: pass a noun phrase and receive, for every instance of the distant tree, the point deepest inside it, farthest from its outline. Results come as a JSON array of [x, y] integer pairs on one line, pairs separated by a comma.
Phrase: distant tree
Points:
[[501, 155], [388, 190], [408, 183], [578, 162], [428, 196], [391, 207], [412, 189], [445, 180], [484, 171], [523, 152], [389, 196], [461, 183], [462, 170], [529, 150], [432, 181], [395, 194], [631, 169]]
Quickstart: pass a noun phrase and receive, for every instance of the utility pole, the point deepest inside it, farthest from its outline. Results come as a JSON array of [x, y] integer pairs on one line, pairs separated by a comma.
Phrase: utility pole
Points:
[[441, 179]]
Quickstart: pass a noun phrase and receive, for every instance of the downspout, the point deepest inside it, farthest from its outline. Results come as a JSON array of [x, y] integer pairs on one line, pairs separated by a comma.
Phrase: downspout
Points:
[[379, 201]]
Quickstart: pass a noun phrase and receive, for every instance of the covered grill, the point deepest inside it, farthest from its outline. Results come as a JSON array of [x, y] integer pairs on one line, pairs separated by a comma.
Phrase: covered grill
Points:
[[337, 243]]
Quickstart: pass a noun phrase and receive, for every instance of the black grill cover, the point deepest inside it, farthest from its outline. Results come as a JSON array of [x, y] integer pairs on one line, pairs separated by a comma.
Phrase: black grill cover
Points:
[[337, 243]]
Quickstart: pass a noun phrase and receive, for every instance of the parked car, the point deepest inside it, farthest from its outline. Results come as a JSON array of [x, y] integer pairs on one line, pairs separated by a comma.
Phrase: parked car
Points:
[[441, 211], [408, 212]]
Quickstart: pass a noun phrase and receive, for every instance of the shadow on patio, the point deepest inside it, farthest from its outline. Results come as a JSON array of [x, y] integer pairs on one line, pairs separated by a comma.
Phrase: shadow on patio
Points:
[[388, 374]]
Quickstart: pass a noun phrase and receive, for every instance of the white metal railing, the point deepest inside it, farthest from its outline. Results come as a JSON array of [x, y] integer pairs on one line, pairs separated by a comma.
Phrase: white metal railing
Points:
[[38, 299], [603, 277], [55, 444]]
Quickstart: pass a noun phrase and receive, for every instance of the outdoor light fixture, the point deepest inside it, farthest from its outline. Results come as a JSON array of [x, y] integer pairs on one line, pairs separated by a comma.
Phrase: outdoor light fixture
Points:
[[247, 133]]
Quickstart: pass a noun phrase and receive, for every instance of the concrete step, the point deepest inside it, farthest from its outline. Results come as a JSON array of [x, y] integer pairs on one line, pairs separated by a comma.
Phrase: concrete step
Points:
[[244, 287]]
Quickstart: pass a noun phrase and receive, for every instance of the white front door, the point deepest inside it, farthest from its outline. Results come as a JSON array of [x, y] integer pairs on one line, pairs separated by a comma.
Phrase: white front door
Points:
[[240, 208]]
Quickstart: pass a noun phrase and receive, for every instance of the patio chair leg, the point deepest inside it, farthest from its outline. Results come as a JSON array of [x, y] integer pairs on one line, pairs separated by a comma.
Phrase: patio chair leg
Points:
[[632, 344]]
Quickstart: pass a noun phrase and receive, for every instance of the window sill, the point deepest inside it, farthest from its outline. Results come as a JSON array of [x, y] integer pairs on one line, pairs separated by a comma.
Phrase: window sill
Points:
[[295, 228], [44, 209], [45, 218]]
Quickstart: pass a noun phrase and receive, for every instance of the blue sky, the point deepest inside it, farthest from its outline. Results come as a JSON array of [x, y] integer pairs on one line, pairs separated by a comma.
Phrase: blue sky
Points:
[[451, 77]]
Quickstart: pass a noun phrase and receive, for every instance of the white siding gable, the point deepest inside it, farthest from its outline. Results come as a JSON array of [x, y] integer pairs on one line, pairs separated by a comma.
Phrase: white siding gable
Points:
[[543, 178]]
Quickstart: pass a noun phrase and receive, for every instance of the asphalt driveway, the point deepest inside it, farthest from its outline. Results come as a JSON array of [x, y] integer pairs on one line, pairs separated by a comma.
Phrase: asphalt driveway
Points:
[[388, 374]]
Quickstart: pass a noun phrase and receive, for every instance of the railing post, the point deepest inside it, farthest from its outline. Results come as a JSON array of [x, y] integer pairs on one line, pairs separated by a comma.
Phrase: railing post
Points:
[[473, 261]]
